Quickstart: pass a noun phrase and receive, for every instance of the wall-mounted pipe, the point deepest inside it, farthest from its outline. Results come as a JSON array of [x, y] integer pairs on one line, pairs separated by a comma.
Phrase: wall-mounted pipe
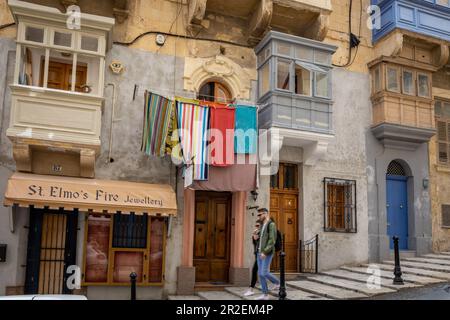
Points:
[[110, 159]]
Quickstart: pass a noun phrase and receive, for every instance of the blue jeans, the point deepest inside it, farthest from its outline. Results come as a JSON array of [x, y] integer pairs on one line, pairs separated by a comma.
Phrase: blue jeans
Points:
[[264, 272]]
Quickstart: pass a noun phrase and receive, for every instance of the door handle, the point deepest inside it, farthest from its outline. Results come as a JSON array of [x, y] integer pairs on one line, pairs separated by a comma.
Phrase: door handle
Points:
[[401, 206], [388, 224], [387, 205]]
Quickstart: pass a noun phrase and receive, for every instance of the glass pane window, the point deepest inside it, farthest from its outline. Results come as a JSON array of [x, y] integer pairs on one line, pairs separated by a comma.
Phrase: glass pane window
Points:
[[322, 86], [89, 43], [290, 177], [31, 68], [274, 181], [97, 248], [423, 85], [34, 34], [125, 263], [408, 82], [392, 79], [340, 205], [304, 53], [264, 79], [302, 81], [283, 74], [62, 39], [377, 79]]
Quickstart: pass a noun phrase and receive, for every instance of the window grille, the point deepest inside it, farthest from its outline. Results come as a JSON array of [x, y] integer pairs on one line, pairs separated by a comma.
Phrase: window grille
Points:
[[340, 205]]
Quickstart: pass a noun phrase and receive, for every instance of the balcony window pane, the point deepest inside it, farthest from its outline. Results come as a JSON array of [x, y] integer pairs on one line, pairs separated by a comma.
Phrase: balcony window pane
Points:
[[424, 85], [392, 79], [283, 74], [445, 3], [264, 79], [408, 82], [321, 57], [446, 110], [322, 88], [31, 68], [304, 53], [377, 80], [302, 81], [89, 43], [34, 34], [284, 49], [62, 39]]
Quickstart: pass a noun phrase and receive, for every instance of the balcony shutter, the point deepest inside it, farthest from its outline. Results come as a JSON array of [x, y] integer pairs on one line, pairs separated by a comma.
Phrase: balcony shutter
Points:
[[443, 132], [445, 215]]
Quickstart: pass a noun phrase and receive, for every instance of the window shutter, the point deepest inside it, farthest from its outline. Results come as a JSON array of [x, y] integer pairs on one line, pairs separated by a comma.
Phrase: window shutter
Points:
[[443, 152], [445, 215], [442, 131]]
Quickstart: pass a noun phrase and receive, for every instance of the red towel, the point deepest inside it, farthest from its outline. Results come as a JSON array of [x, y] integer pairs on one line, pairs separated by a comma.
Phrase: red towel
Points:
[[221, 135]]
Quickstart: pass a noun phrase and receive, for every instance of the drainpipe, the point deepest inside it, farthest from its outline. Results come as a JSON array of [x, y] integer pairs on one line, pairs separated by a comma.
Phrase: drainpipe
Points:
[[111, 122]]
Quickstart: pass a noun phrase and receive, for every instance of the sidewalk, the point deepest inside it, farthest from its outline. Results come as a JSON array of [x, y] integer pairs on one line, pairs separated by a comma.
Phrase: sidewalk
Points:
[[350, 282]]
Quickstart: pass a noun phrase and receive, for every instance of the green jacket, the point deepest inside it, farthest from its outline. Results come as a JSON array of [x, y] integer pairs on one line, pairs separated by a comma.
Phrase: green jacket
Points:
[[269, 238]]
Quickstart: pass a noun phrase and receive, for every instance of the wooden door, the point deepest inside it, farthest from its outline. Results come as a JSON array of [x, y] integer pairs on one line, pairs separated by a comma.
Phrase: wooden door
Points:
[[212, 237], [60, 76], [51, 250], [284, 210]]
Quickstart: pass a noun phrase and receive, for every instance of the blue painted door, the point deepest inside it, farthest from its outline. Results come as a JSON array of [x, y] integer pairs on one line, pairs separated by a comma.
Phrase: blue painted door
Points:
[[397, 210]]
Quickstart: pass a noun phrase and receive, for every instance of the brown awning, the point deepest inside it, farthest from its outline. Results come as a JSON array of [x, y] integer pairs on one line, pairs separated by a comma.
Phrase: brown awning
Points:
[[86, 194]]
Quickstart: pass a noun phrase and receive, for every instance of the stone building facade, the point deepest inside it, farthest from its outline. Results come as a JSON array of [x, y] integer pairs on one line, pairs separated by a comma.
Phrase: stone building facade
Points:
[[320, 118]]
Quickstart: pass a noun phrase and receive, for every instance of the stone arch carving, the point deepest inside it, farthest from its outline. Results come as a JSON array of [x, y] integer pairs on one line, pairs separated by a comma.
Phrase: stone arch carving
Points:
[[198, 71]]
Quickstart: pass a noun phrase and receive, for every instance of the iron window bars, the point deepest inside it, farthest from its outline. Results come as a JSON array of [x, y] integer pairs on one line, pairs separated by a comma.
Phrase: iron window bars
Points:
[[340, 205]]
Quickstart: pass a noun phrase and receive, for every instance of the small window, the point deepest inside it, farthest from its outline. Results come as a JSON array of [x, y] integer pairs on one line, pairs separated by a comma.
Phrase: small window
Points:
[[286, 177], [62, 39], [214, 92], [423, 84], [302, 81], [264, 79], [283, 74], [409, 86], [284, 49], [443, 137], [322, 85], [446, 216], [89, 43], [393, 83], [304, 53], [34, 34], [340, 205], [130, 231]]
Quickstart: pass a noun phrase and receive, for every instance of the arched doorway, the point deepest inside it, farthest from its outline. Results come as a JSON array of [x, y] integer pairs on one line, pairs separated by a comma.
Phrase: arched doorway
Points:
[[397, 204], [215, 92]]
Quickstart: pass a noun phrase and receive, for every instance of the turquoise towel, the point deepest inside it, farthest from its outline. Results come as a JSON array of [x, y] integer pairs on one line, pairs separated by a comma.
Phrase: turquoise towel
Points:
[[246, 134]]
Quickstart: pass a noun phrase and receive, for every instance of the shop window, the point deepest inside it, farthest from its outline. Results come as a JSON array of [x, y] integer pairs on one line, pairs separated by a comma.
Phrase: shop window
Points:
[[393, 79], [302, 81], [340, 205], [117, 245], [283, 74], [442, 111], [409, 85], [423, 84]]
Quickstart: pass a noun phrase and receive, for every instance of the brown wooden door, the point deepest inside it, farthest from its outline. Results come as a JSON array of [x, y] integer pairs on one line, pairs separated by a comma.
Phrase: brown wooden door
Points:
[[212, 237], [60, 76], [284, 210]]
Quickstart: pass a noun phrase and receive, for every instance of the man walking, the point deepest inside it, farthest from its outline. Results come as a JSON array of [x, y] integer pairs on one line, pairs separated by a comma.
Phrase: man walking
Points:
[[266, 250]]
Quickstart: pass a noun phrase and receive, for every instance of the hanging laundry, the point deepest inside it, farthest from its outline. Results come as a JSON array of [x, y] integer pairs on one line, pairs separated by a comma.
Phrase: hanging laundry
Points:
[[157, 112], [193, 121], [173, 147], [246, 134], [221, 135]]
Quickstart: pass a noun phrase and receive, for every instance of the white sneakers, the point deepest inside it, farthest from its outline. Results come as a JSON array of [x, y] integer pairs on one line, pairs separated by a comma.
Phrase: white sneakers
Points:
[[274, 286], [263, 297], [249, 292]]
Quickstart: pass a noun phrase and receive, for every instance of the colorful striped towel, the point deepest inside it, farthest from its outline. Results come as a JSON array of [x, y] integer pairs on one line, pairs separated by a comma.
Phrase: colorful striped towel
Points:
[[222, 135], [157, 112], [193, 123], [246, 134]]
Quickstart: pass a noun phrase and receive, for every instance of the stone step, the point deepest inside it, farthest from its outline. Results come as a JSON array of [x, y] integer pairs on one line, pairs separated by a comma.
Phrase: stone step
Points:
[[217, 295], [421, 265], [184, 298], [430, 260], [404, 254], [418, 271], [437, 256], [326, 291], [363, 278], [239, 292], [351, 285], [389, 275], [445, 253]]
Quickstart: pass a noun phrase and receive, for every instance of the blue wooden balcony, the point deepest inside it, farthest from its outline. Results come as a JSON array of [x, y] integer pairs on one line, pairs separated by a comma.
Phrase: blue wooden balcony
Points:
[[425, 17]]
